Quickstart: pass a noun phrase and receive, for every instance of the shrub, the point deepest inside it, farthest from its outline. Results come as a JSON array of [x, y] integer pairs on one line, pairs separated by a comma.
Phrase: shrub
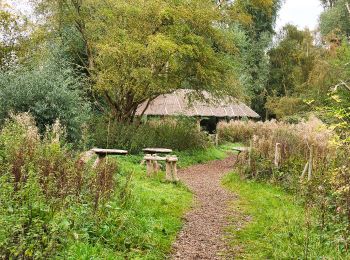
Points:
[[47, 197], [51, 92], [236, 131], [178, 134]]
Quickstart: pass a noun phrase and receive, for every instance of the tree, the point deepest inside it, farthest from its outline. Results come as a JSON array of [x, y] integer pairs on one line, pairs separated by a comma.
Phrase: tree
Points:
[[328, 3], [292, 62], [135, 51], [336, 20], [256, 19], [12, 36]]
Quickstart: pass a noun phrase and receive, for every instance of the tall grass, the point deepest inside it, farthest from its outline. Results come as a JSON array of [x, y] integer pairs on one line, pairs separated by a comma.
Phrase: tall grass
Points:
[[42, 185], [178, 134], [53, 206], [322, 184]]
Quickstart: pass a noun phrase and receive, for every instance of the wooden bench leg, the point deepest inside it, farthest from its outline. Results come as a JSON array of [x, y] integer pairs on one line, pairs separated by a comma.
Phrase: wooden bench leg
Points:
[[155, 165], [168, 171], [236, 162], [98, 161], [174, 172], [149, 167]]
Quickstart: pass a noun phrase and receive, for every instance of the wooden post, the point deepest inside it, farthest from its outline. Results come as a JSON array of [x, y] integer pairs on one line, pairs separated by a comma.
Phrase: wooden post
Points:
[[309, 176], [85, 157], [250, 153], [305, 170], [199, 124], [96, 162], [277, 155]]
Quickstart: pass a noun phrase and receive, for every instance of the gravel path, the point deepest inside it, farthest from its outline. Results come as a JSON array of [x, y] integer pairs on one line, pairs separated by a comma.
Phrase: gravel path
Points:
[[203, 234]]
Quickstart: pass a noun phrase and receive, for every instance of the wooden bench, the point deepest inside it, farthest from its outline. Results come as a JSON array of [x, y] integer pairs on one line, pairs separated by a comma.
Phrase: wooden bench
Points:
[[240, 150], [152, 160]]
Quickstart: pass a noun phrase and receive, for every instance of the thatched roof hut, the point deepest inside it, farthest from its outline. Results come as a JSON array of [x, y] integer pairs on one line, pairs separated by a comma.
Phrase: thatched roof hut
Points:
[[178, 103]]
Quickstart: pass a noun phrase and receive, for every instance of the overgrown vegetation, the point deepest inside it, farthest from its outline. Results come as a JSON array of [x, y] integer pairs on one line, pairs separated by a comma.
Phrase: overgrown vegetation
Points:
[[52, 205], [275, 225], [43, 188], [307, 160], [48, 93], [89, 64], [178, 134]]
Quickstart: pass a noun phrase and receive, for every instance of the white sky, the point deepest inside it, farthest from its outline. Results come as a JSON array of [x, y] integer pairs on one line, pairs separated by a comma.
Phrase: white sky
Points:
[[303, 13]]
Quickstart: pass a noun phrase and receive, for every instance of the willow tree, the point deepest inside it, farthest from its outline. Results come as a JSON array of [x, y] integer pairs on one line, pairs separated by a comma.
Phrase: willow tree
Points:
[[257, 19], [136, 50]]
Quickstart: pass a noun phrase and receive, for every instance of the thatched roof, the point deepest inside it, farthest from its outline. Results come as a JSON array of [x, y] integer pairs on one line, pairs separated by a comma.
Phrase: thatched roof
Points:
[[177, 103]]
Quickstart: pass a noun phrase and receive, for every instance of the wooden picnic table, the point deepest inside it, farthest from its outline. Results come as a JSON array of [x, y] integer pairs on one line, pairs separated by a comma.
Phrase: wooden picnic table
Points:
[[102, 153], [157, 150], [152, 159]]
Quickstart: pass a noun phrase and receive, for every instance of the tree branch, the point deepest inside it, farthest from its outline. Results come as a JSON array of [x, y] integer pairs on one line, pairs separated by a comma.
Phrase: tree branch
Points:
[[347, 7]]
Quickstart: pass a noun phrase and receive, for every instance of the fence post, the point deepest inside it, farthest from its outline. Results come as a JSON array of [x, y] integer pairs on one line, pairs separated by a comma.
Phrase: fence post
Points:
[[250, 152], [217, 139], [306, 167], [277, 155], [199, 124]]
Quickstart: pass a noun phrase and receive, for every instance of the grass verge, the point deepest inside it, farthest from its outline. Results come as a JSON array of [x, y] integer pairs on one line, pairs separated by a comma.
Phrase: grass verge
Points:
[[146, 224], [275, 225]]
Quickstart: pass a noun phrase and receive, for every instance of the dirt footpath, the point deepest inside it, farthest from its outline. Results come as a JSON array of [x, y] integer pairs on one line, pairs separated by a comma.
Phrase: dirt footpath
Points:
[[203, 233]]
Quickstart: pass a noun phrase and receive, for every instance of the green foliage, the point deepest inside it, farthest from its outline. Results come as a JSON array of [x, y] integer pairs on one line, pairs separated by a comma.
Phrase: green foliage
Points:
[[328, 3], [48, 201], [276, 226], [47, 196], [135, 51], [292, 63], [284, 107], [54, 206], [188, 158], [336, 19], [178, 134], [255, 19], [52, 91], [13, 39], [324, 186]]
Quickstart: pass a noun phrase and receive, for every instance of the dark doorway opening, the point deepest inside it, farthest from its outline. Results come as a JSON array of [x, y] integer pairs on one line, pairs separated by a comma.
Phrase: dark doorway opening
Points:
[[208, 124]]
